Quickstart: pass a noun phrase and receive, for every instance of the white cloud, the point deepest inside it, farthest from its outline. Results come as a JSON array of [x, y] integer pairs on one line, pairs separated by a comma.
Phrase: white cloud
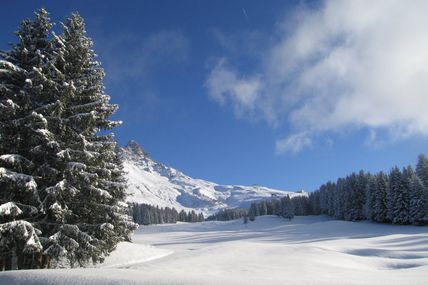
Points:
[[345, 65], [226, 86], [293, 143]]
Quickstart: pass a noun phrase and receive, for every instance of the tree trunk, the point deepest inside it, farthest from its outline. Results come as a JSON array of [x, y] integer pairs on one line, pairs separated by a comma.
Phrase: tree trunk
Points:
[[37, 261], [8, 261], [46, 261], [20, 256]]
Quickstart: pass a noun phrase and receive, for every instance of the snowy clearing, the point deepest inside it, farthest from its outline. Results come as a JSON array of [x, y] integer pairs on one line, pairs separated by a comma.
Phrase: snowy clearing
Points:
[[271, 250]]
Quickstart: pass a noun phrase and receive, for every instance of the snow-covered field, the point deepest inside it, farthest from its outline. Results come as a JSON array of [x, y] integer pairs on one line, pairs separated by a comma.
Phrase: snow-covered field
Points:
[[271, 250]]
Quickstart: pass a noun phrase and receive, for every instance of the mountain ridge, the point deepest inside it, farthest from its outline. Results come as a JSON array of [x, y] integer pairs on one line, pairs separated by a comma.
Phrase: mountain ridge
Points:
[[156, 184]]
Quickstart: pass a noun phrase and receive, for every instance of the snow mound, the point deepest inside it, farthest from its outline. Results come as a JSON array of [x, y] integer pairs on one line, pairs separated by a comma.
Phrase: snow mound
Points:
[[127, 254]]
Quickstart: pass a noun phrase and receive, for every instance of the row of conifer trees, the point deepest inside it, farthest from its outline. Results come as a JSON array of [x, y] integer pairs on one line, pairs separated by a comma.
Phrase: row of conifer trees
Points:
[[283, 207], [62, 188], [399, 197], [145, 214], [228, 214]]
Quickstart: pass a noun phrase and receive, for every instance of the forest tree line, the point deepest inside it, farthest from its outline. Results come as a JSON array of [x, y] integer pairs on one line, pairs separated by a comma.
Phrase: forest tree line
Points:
[[228, 214], [285, 207], [399, 197], [145, 214]]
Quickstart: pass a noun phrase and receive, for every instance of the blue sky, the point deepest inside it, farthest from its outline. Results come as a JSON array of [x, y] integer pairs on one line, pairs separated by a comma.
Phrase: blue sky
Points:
[[287, 94]]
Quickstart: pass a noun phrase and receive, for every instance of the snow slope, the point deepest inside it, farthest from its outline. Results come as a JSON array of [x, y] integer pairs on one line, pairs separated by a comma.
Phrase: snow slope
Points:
[[271, 250], [154, 183]]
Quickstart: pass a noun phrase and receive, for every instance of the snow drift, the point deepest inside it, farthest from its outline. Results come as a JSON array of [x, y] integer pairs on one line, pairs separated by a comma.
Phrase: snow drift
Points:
[[305, 251]]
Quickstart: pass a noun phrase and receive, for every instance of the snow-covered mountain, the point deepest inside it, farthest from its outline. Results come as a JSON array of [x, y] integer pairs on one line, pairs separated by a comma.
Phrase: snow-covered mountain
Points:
[[154, 183]]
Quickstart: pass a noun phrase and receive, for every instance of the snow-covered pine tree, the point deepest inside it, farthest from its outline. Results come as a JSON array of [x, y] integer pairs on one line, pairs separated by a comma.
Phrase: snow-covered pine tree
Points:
[[201, 217], [263, 209], [276, 208], [394, 189], [324, 198], [348, 194], [339, 199], [252, 212], [182, 216], [420, 197], [354, 196], [282, 207], [27, 145], [369, 206], [402, 198], [245, 219], [362, 182], [422, 169], [314, 200], [93, 172], [111, 179], [380, 209], [418, 201], [288, 208], [331, 186]]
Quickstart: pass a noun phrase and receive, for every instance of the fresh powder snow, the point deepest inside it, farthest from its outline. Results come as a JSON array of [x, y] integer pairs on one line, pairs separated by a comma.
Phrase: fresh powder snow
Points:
[[270, 250]]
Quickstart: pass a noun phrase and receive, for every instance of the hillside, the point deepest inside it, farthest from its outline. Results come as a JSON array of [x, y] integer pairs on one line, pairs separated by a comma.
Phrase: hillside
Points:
[[154, 183]]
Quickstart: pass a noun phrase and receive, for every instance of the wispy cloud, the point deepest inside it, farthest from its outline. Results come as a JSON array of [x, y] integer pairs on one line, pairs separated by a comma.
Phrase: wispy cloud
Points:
[[244, 12], [226, 86], [293, 143], [344, 65], [130, 56]]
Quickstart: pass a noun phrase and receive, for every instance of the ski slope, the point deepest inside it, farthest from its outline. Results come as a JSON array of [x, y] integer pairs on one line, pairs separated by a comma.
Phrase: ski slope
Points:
[[271, 250], [154, 183]]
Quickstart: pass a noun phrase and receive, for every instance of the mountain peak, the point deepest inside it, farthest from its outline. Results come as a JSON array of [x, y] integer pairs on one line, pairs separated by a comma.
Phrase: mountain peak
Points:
[[152, 182], [135, 148]]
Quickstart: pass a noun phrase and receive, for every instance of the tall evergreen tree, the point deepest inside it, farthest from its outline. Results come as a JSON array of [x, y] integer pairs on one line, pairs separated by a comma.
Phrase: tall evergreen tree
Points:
[[354, 196], [314, 200], [27, 146], [263, 209], [301, 205], [422, 173], [288, 208], [380, 208], [330, 187], [339, 199], [401, 207], [252, 211], [394, 189], [418, 201], [245, 219], [86, 215], [53, 109], [422, 169], [369, 207]]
